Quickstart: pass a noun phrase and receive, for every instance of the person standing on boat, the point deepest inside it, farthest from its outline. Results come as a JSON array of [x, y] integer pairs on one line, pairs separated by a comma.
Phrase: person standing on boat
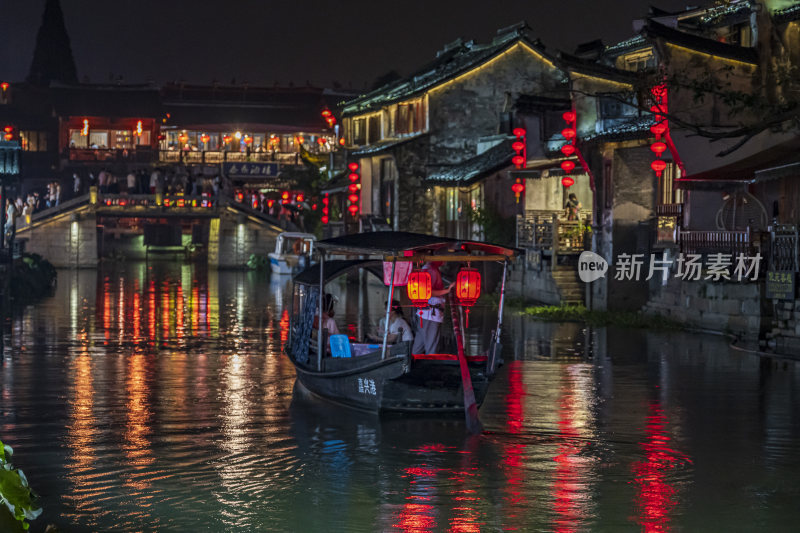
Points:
[[399, 330], [327, 317], [427, 339]]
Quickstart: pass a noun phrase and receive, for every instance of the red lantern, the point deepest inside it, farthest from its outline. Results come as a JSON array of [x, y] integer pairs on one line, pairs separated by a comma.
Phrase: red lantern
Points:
[[226, 139], [419, 289], [270, 203], [468, 288], [341, 141], [519, 132], [518, 160], [353, 187], [568, 150], [658, 148], [518, 187], [353, 209], [325, 219], [204, 138], [658, 166], [239, 197], [567, 181], [518, 146], [353, 177], [569, 116], [326, 113], [4, 85], [567, 166], [568, 133], [353, 166], [300, 197], [353, 198], [658, 129], [325, 200], [325, 210]]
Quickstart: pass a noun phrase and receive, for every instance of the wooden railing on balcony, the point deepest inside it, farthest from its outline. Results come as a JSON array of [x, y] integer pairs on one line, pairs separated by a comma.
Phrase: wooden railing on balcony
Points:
[[217, 156], [546, 231], [718, 241], [669, 210], [111, 155]]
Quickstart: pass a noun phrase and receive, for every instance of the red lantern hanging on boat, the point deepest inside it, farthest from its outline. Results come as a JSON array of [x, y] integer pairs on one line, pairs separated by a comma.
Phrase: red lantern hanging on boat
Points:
[[468, 288], [419, 288]]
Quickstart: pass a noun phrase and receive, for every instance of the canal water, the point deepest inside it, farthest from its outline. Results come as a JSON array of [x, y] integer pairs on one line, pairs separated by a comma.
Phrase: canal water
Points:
[[156, 398]]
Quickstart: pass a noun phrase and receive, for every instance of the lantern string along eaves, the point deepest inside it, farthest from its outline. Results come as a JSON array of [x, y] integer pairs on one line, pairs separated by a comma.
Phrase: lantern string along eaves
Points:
[[570, 133], [325, 211], [660, 128], [354, 197], [519, 160]]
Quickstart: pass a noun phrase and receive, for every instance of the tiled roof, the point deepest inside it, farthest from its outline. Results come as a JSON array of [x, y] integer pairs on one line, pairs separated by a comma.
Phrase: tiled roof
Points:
[[787, 15], [634, 43], [724, 14], [567, 61], [633, 129], [455, 60], [381, 146], [701, 44], [493, 159]]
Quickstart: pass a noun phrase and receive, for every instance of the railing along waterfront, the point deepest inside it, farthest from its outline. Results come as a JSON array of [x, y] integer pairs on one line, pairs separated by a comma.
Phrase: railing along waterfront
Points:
[[218, 156]]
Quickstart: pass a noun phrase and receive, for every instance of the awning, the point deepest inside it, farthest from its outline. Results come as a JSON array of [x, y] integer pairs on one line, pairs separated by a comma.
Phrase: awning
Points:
[[776, 162]]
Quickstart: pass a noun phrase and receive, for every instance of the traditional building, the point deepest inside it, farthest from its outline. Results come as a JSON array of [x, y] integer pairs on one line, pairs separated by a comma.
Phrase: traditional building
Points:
[[426, 143]]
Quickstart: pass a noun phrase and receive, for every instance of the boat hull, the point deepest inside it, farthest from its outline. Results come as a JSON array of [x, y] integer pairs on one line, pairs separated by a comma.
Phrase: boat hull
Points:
[[398, 385]]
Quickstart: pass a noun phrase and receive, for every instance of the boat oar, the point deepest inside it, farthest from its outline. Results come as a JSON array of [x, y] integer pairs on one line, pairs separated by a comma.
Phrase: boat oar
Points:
[[470, 407]]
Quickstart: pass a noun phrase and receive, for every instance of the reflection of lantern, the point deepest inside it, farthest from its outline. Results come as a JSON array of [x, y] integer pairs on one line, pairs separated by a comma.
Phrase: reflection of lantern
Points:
[[419, 288], [567, 181], [567, 166], [568, 150], [517, 188], [468, 288], [658, 166]]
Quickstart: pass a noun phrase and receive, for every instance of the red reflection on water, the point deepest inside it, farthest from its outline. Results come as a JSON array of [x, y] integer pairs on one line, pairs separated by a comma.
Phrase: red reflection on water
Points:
[[655, 497], [151, 311], [165, 311], [416, 517], [284, 324], [137, 313], [512, 458], [106, 309], [179, 312], [566, 486]]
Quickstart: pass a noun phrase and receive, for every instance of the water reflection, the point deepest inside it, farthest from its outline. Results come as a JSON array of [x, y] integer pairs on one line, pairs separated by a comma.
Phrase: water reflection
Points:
[[155, 396]]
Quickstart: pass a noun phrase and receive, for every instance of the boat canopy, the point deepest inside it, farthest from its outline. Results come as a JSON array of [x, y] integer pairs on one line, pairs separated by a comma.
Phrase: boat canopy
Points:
[[400, 244], [335, 268]]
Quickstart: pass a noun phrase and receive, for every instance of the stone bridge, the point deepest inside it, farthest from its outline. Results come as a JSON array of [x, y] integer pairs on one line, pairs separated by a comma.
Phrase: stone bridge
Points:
[[80, 232]]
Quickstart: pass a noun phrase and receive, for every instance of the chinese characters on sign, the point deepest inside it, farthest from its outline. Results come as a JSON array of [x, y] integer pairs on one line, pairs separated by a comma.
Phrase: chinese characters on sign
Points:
[[691, 267], [367, 386], [250, 170], [780, 285]]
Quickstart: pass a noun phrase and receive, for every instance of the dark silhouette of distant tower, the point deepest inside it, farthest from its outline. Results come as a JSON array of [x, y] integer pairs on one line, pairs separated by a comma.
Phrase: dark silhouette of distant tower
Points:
[[52, 57]]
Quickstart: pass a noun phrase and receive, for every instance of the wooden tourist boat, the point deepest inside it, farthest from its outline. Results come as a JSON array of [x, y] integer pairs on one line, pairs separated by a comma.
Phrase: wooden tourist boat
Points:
[[380, 376], [292, 251]]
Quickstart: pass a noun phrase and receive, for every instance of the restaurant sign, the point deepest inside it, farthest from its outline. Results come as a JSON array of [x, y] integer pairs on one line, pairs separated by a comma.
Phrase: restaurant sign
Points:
[[250, 170], [780, 285]]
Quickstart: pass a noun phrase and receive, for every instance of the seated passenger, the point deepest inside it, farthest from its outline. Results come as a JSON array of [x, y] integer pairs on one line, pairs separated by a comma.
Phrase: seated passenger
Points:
[[399, 330]]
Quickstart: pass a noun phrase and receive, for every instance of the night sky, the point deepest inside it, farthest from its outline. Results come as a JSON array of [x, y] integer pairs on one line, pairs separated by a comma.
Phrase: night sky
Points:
[[263, 42]]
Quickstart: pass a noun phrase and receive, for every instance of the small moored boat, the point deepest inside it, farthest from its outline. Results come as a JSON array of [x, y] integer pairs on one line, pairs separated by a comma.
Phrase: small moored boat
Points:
[[381, 376], [292, 252]]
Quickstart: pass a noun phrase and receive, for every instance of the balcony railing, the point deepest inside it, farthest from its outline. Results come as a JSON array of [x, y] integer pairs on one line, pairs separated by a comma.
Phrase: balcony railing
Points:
[[718, 241], [112, 155], [669, 210], [536, 230], [218, 156]]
